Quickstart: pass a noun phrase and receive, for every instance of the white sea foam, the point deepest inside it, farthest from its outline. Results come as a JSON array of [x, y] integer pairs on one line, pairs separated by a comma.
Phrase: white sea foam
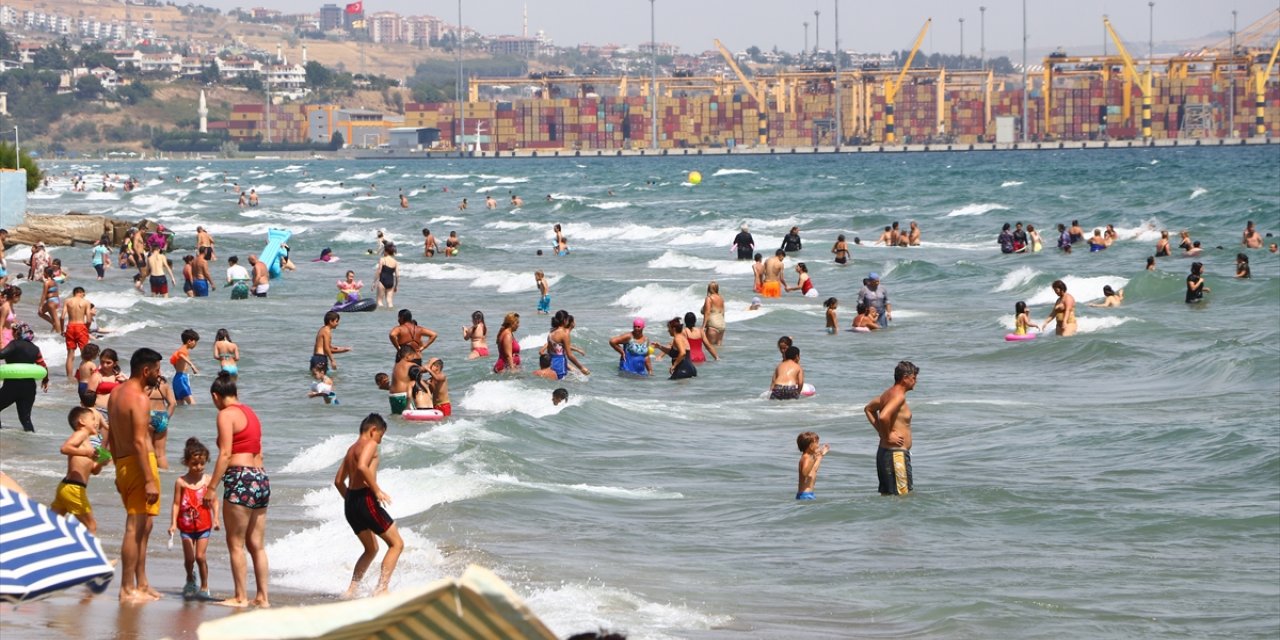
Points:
[[511, 180], [673, 260], [657, 303], [440, 219], [976, 209], [1091, 324], [609, 205], [1082, 289], [1148, 231], [1017, 278], [320, 456], [1011, 183], [321, 210], [503, 281], [452, 432], [488, 188], [508, 396], [366, 176], [585, 232], [1197, 192], [574, 608], [732, 172], [708, 238]]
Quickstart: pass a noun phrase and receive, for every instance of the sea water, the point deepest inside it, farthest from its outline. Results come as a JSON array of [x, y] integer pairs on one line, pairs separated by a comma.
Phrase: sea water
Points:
[[1121, 483]]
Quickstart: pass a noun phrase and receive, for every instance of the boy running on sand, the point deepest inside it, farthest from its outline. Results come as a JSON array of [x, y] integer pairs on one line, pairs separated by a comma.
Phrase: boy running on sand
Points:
[[83, 460], [357, 482]]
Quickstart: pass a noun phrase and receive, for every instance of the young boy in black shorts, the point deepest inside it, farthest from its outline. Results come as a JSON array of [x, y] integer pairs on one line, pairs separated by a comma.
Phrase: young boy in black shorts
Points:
[[357, 481]]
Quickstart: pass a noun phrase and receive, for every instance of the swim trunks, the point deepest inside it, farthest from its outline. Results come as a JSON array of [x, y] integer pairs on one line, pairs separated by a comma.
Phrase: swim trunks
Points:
[[831, 330], [186, 287], [893, 469], [684, 370], [319, 360], [198, 535], [260, 291], [771, 289], [806, 495], [201, 287], [247, 487], [77, 335], [364, 513], [131, 483], [544, 304], [446, 408], [159, 284], [399, 402], [240, 291], [181, 386], [785, 392], [72, 498], [160, 421]]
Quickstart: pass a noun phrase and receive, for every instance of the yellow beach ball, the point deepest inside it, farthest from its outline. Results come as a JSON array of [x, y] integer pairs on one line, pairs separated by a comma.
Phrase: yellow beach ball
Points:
[[695, 177]]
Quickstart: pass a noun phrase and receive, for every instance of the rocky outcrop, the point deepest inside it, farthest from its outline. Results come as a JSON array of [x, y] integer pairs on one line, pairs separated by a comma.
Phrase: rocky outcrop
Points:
[[68, 229]]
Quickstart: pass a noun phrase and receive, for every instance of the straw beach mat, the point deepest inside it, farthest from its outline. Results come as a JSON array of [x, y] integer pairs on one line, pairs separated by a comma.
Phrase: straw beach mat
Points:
[[478, 605]]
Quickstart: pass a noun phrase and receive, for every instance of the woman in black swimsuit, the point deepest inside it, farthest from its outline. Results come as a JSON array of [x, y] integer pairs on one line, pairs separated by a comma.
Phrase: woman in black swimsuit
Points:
[[388, 280], [841, 250]]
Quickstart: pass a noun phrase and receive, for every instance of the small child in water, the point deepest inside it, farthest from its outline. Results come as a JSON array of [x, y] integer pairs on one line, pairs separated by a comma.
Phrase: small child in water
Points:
[[544, 301], [867, 318], [1022, 319], [323, 385], [811, 454], [559, 395], [832, 324], [755, 304]]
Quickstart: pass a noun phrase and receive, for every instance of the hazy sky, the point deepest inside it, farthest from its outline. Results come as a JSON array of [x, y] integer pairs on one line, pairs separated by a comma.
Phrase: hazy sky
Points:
[[864, 25]]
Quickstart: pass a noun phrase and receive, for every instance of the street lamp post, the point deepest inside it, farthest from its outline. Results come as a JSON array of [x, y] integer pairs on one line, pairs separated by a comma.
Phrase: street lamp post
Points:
[[1025, 88], [982, 35], [839, 118], [1231, 106], [817, 32], [805, 50], [1151, 33], [962, 65], [462, 105], [653, 90]]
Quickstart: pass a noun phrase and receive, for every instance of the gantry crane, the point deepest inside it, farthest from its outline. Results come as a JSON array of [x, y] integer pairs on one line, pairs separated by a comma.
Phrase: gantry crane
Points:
[[1260, 79], [759, 96], [1131, 72], [891, 87]]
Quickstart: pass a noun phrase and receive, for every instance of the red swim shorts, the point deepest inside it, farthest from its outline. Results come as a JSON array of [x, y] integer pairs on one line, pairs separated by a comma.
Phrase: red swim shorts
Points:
[[77, 335]]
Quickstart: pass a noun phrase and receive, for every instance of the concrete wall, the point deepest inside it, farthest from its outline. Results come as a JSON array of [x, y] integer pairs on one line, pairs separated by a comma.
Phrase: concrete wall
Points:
[[13, 197]]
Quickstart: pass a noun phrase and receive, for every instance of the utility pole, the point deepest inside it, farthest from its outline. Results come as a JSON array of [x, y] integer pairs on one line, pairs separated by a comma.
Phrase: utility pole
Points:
[[462, 105], [817, 30], [982, 35], [653, 89], [1025, 87], [839, 115], [1231, 106], [805, 50], [962, 64], [1151, 34], [17, 149]]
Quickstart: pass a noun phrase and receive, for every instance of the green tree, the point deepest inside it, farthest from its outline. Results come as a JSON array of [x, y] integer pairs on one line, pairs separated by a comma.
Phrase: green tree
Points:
[[88, 87], [33, 171], [210, 74], [50, 57], [6, 46], [318, 75], [133, 93]]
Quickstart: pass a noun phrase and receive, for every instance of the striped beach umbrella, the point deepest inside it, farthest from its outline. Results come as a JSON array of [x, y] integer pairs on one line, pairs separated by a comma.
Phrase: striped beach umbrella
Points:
[[42, 552], [477, 606]]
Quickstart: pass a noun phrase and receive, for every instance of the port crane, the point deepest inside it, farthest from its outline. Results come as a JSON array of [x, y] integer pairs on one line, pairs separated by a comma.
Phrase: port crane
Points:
[[759, 96], [891, 87], [1131, 73]]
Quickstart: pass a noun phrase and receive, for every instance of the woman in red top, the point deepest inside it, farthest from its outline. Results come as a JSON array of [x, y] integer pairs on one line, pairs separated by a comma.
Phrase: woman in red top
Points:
[[247, 490]]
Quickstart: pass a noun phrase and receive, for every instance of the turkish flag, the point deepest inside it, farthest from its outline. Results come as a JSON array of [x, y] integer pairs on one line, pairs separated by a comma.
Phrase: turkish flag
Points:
[[356, 7]]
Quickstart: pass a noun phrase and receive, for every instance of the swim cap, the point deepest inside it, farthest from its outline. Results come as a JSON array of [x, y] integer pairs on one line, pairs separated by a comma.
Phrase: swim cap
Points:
[[755, 300], [873, 276], [638, 323]]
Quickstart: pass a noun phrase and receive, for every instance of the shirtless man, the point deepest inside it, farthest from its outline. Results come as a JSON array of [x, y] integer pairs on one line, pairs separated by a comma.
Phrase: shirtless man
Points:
[[203, 239], [201, 279], [161, 273], [137, 477], [895, 235], [1252, 239], [490, 203], [771, 275], [322, 354], [409, 333], [261, 277], [788, 376], [891, 417], [75, 319], [913, 236], [886, 237]]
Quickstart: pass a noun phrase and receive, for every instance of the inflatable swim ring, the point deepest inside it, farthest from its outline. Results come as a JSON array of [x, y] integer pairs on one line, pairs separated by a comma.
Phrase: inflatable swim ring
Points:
[[423, 415], [21, 371], [1013, 337], [861, 330], [363, 304]]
